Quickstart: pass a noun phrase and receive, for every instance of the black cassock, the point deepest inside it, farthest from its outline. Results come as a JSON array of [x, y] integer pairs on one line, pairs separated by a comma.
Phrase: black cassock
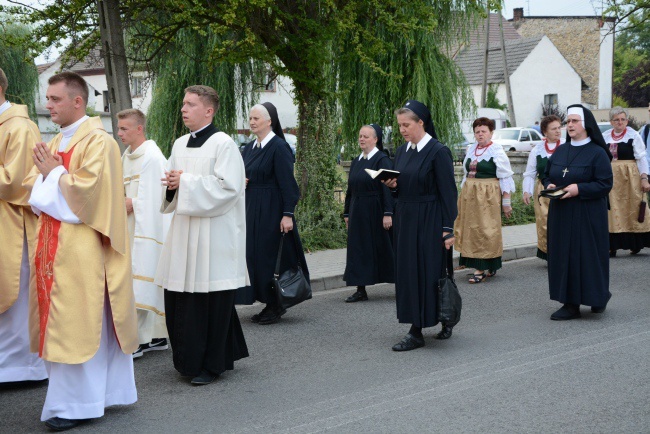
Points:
[[578, 233], [271, 193], [370, 257], [426, 206]]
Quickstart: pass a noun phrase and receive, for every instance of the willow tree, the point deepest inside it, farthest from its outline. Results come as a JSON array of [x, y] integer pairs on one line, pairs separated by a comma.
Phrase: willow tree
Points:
[[19, 67]]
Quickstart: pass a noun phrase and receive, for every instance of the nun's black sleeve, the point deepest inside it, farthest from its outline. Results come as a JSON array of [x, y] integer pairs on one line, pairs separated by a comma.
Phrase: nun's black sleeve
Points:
[[443, 170], [283, 167], [602, 178], [388, 202]]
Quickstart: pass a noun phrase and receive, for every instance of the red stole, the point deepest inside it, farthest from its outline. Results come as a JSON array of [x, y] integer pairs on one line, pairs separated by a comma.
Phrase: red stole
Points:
[[48, 241]]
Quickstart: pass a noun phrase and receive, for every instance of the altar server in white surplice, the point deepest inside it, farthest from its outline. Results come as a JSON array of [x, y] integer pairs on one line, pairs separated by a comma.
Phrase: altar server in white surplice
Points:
[[204, 257], [143, 164]]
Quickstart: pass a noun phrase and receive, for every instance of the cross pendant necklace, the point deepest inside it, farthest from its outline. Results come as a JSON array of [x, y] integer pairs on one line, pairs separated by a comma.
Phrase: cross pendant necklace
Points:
[[568, 163], [565, 171]]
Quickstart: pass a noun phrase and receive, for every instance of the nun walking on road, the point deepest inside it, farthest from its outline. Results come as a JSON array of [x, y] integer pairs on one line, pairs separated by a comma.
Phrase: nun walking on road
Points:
[[424, 222], [578, 239], [271, 197], [368, 216]]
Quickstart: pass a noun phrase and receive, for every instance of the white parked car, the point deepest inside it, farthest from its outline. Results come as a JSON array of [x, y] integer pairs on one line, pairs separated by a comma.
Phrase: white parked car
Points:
[[517, 139], [291, 140]]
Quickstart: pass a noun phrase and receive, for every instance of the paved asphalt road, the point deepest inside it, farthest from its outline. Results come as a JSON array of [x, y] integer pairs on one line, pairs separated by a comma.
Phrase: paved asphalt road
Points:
[[328, 367]]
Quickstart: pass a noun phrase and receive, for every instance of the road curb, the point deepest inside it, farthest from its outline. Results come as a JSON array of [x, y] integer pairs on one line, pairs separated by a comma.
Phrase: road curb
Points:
[[326, 283]]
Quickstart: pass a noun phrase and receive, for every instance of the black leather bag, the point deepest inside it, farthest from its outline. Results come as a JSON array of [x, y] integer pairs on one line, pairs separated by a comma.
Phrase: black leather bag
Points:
[[450, 303], [291, 286]]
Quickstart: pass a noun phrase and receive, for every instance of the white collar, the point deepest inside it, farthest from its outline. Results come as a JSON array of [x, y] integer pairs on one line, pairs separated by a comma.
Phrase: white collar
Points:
[[421, 144], [193, 133], [370, 154], [72, 128], [266, 139], [580, 142], [4, 107]]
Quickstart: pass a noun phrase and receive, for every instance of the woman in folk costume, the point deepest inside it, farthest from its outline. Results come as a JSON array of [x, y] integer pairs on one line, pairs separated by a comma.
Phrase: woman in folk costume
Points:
[[424, 217], [578, 244], [271, 197], [368, 216], [551, 127], [630, 168], [486, 188]]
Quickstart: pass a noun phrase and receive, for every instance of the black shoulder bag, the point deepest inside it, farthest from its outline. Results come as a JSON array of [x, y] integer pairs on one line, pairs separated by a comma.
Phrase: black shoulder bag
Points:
[[450, 302], [291, 286]]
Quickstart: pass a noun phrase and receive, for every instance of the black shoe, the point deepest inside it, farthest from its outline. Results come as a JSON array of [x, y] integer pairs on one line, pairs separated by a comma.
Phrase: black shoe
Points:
[[272, 316], [257, 316], [204, 378], [612, 253], [598, 309], [566, 312], [159, 344], [634, 251], [409, 343], [357, 296], [445, 333], [61, 424]]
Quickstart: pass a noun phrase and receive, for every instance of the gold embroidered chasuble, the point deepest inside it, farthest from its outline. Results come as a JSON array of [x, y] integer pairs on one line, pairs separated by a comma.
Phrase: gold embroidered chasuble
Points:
[[18, 136], [91, 258]]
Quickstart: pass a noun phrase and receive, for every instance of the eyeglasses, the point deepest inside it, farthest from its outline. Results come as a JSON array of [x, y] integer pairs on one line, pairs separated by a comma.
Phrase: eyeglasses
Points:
[[573, 121]]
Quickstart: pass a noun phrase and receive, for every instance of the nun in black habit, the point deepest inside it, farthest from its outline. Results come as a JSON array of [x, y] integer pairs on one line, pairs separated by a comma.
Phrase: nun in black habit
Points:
[[368, 216], [578, 235], [423, 225], [271, 197]]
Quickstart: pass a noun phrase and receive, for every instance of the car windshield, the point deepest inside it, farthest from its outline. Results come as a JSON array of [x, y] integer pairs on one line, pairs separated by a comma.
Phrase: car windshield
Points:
[[506, 135], [604, 127]]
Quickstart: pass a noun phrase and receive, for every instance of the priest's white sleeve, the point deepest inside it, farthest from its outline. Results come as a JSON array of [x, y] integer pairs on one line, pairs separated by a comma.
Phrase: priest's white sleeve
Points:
[[47, 197], [216, 194], [168, 207], [640, 153]]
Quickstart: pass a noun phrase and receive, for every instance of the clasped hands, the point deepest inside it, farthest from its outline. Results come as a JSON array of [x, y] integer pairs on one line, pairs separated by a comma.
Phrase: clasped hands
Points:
[[172, 179], [44, 160]]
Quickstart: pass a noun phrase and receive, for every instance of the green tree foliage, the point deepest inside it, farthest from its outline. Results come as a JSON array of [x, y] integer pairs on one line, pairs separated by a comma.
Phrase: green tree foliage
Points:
[[632, 52], [355, 60], [18, 67]]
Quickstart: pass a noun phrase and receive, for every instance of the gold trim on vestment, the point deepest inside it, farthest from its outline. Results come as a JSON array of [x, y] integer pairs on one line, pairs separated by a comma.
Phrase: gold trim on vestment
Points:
[[146, 279], [131, 178], [478, 226], [147, 238], [624, 199], [150, 308], [541, 217]]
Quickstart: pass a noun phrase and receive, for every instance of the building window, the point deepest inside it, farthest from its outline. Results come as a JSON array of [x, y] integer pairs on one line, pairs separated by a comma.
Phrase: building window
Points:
[[550, 99], [137, 87]]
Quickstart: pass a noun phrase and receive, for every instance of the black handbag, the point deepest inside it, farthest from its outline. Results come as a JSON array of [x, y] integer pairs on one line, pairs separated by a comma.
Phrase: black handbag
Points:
[[291, 287], [450, 303]]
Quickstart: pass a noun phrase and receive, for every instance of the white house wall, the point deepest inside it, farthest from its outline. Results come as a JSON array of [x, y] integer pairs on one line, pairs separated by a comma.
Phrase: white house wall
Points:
[[544, 71], [282, 99]]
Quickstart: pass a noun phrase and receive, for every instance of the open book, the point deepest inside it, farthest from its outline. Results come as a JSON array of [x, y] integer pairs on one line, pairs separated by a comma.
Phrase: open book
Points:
[[382, 174]]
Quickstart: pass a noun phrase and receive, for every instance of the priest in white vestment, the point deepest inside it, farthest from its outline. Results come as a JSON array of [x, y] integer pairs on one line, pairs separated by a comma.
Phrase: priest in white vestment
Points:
[[204, 256], [82, 310], [143, 165], [18, 136]]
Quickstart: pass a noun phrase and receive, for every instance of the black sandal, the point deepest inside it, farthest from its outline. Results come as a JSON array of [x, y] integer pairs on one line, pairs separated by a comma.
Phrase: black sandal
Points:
[[478, 278], [491, 273]]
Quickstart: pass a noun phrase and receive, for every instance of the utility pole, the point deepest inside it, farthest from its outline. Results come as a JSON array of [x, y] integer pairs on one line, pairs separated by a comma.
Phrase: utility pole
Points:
[[506, 75], [485, 59], [114, 53]]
